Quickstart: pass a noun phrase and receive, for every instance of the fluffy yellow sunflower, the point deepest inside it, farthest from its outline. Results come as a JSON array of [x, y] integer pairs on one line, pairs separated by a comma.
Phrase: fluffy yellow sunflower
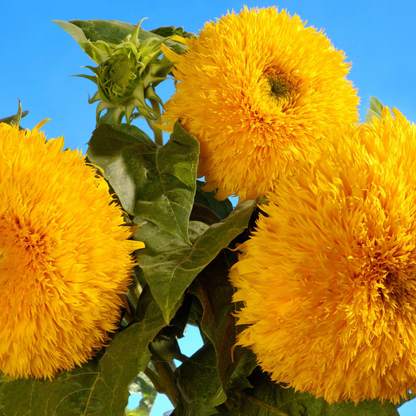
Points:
[[328, 278], [251, 85], [64, 256]]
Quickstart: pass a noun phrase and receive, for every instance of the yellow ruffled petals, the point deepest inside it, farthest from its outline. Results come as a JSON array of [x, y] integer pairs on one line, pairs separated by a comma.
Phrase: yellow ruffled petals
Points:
[[65, 257], [328, 278], [249, 86]]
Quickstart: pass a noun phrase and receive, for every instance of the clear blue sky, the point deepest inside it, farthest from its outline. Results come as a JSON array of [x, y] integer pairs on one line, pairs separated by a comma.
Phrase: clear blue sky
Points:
[[37, 57]]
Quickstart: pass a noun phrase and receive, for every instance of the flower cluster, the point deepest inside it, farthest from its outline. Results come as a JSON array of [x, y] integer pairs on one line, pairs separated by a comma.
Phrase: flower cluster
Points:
[[328, 277], [64, 256]]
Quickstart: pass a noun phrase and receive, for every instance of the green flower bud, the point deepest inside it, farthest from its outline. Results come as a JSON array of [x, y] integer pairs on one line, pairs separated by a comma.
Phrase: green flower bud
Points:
[[127, 75]]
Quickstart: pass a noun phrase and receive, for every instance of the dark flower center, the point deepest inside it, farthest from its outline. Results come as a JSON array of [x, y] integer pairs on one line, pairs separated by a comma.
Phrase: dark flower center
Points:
[[278, 88]]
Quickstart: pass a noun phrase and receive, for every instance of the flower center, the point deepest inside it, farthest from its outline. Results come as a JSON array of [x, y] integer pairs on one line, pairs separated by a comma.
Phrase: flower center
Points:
[[121, 73], [398, 289], [279, 88]]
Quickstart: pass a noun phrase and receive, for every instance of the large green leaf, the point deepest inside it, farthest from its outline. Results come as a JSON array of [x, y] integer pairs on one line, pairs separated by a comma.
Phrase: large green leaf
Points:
[[88, 32], [152, 182], [218, 322], [198, 381], [98, 388], [269, 399], [170, 265], [114, 31]]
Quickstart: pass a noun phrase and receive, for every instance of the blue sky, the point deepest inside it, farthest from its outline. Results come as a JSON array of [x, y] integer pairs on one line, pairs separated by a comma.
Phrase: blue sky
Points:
[[38, 57]]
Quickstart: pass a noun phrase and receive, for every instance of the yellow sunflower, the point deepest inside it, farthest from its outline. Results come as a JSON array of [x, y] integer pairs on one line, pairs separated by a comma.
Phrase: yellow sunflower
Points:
[[64, 256], [328, 278], [251, 85]]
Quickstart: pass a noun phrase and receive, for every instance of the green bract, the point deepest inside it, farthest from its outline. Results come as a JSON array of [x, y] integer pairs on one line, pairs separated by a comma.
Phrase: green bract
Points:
[[127, 75]]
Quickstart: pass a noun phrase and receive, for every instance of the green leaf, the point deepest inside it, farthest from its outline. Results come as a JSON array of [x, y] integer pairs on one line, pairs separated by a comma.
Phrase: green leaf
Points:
[[170, 265], [96, 52], [152, 182], [68, 394], [109, 31], [215, 292], [177, 325], [142, 385], [376, 105], [198, 381], [269, 399], [245, 362], [370, 115], [221, 208], [114, 31], [375, 110], [166, 31], [99, 387]]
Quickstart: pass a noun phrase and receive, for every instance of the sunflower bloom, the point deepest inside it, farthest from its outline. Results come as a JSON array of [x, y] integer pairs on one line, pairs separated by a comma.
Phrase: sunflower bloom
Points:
[[64, 257], [328, 278], [251, 85]]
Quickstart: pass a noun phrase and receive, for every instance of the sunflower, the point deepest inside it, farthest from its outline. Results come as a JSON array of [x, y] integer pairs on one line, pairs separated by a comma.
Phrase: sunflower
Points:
[[64, 256], [252, 85], [328, 278]]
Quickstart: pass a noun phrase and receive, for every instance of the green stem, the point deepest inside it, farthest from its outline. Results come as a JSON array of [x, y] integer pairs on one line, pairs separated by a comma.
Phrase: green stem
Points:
[[165, 372], [156, 131], [154, 378], [181, 357]]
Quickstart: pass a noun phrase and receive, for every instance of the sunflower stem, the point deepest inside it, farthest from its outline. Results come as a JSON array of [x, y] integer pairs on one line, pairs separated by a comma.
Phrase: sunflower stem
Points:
[[156, 131], [165, 371], [155, 379], [181, 357]]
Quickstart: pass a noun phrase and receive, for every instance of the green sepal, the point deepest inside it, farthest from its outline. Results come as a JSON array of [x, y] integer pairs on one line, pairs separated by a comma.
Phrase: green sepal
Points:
[[89, 77], [96, 97]]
